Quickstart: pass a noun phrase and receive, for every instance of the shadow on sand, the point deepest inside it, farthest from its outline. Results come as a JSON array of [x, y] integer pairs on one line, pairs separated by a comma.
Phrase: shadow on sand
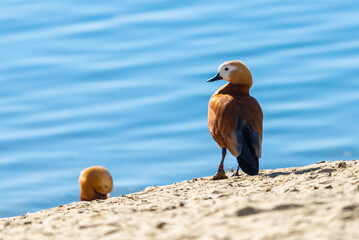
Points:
[[276, 174]]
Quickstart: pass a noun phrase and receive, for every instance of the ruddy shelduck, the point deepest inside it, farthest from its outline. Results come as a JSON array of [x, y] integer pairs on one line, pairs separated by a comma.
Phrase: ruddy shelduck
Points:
[[95, 183], [235, 118]]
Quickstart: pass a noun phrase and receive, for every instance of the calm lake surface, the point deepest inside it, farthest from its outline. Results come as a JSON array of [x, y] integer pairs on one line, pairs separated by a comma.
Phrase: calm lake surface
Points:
[[122, 84]]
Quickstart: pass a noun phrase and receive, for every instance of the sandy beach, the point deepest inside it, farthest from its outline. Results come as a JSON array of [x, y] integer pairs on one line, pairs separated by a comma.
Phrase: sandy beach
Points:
[[319, 201]]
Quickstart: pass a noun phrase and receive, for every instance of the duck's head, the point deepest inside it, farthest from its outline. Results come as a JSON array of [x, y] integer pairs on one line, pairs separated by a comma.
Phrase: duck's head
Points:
[[234, 72], [95, 183]]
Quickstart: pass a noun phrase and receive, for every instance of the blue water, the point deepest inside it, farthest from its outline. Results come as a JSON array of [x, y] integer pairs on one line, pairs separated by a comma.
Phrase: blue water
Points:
[[122, 84]]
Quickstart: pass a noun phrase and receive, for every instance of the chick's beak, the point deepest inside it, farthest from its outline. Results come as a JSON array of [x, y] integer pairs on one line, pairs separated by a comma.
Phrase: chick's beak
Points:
[[215, 78]]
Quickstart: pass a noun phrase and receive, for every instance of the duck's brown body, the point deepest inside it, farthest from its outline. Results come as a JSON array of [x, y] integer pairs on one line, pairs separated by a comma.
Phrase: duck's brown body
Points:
[[230, 106], [95, 183]]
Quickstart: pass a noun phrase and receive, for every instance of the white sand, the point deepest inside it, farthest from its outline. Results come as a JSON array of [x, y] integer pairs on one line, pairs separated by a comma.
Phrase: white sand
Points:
[[319, 201]]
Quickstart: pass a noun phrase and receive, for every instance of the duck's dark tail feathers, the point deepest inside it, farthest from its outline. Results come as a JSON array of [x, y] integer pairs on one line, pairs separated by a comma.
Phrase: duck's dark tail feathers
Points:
[[248, 168], [248, 161]]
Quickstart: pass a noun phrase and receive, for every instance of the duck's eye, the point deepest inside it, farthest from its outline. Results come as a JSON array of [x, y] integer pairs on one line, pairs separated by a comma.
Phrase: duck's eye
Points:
[[226, 69]]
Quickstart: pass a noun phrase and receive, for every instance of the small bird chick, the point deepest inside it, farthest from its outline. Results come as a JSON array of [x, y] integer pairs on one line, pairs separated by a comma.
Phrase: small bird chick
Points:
[[95, 183], [235, 119]]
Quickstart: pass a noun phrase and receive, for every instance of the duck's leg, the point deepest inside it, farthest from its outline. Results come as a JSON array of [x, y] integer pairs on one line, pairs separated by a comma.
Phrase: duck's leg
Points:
[[236, 172], [221, 174]]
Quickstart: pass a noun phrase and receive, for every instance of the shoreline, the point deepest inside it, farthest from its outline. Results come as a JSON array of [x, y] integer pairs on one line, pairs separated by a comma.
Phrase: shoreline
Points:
[[319, 201]]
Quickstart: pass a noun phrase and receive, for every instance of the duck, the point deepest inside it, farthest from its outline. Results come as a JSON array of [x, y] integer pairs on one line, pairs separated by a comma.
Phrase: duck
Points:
[[235, 119], [95, 183]]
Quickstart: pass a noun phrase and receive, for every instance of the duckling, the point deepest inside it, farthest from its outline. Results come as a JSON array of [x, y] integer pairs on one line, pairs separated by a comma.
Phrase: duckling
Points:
[[95, 183], [235, 119]]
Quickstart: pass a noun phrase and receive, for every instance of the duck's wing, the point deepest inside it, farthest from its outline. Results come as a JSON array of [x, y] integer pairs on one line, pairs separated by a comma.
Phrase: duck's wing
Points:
[[250, 122], [240, 123], [217, 117]]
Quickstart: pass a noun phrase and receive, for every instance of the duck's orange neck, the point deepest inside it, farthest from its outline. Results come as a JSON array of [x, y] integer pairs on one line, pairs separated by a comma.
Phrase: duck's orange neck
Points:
[[235, 89]]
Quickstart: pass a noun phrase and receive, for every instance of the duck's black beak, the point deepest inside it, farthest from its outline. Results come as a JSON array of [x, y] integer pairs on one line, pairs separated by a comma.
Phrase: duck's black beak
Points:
[[215, 78]]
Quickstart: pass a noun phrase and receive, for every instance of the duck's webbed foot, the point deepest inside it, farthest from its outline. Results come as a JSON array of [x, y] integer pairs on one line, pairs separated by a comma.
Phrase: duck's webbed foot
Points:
[[235, 174], [221, 174]]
